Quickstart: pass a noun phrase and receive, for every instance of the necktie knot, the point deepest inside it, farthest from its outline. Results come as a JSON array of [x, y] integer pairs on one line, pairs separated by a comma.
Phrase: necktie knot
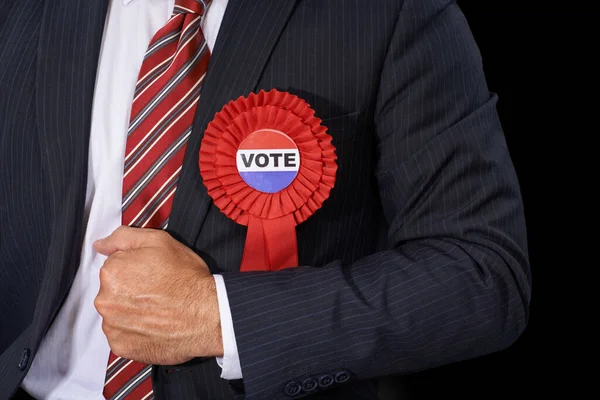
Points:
[[191, 6]]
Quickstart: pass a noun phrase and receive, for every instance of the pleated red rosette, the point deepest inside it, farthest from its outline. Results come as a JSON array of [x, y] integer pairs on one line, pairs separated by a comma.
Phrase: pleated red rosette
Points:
[[272, 212]]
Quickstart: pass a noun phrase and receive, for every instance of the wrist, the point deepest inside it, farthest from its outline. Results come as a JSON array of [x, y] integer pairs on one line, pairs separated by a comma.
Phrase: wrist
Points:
[[210, 340]]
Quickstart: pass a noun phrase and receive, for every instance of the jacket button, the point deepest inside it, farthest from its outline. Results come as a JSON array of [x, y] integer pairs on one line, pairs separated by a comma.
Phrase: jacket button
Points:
[[325, 381], [292, 389], [342, 377], [309, 385], [24, 359]]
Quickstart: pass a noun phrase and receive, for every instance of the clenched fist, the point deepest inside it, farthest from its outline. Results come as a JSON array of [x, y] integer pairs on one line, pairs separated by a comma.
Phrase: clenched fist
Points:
[[157, 298]]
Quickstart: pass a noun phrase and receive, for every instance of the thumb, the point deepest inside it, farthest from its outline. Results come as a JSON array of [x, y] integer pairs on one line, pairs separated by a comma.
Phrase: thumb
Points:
[[124, 238]]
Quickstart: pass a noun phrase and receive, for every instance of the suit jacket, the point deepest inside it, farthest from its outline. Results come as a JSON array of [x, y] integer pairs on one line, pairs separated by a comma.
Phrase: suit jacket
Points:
[[418, 259]]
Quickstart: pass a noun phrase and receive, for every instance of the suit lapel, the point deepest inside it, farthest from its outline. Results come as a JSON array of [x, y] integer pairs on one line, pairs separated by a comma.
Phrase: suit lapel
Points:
[[69, 47], [248, 34], [70, 37]]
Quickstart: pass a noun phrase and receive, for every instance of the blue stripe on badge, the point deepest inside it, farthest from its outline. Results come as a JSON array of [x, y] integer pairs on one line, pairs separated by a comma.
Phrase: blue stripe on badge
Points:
[[269, 182]]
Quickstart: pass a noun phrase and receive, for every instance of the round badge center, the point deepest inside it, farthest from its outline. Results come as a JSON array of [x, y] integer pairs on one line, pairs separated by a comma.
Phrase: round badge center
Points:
[[268, 160]]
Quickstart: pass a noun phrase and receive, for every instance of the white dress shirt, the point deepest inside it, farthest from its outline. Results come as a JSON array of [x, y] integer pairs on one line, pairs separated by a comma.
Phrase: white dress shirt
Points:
[[71, 361]]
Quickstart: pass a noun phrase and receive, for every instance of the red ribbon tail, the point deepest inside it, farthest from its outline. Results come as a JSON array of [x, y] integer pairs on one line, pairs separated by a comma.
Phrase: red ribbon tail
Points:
[[255, 252], [282, 246], [270, 244]]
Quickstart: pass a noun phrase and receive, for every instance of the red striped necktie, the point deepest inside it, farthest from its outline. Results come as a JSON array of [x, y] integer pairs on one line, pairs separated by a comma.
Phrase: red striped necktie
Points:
[[162, 114]]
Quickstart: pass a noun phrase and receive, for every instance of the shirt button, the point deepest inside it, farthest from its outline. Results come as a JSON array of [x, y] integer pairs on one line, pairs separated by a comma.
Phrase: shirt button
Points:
[[24, 359]]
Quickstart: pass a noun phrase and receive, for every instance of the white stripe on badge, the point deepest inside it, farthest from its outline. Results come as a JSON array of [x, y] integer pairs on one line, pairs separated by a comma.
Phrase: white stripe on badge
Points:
[[268, 160]]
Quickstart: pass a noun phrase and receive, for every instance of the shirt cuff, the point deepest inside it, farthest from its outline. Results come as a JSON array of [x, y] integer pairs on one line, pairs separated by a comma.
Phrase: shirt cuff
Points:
[[230, 362]]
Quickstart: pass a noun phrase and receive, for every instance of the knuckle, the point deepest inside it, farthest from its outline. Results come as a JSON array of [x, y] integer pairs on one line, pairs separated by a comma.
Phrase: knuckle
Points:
[[105, 274], [158, 237], [106, 328], [161, 235], [100, 305]]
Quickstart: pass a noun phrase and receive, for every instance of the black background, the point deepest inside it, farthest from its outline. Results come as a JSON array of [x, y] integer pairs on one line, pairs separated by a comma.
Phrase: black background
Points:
[[534, 59]]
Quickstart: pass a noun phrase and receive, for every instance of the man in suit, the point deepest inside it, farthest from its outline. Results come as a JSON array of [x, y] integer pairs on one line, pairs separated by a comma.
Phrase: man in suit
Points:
[[417, 258]]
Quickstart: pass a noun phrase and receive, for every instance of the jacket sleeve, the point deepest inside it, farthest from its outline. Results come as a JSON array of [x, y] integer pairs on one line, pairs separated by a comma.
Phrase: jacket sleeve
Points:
[[454, 283]]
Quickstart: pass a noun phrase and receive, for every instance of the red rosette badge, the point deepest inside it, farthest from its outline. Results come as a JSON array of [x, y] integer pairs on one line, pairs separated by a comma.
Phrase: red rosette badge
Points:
[[268, 164]]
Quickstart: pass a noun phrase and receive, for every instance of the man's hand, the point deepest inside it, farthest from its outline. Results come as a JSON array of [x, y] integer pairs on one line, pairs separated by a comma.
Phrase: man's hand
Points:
[[157, 298]]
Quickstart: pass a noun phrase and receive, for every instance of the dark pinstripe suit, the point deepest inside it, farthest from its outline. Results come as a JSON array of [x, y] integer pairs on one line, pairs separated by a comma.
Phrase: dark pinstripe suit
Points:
[[419, 257]]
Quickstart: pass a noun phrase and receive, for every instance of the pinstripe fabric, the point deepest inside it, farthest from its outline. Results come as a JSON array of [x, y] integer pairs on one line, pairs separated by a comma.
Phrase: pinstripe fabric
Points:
[[43, 158], [418, 258]]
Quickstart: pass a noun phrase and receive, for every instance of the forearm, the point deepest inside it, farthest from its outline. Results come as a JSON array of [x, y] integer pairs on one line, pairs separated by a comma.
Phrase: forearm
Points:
[[425, 304]]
